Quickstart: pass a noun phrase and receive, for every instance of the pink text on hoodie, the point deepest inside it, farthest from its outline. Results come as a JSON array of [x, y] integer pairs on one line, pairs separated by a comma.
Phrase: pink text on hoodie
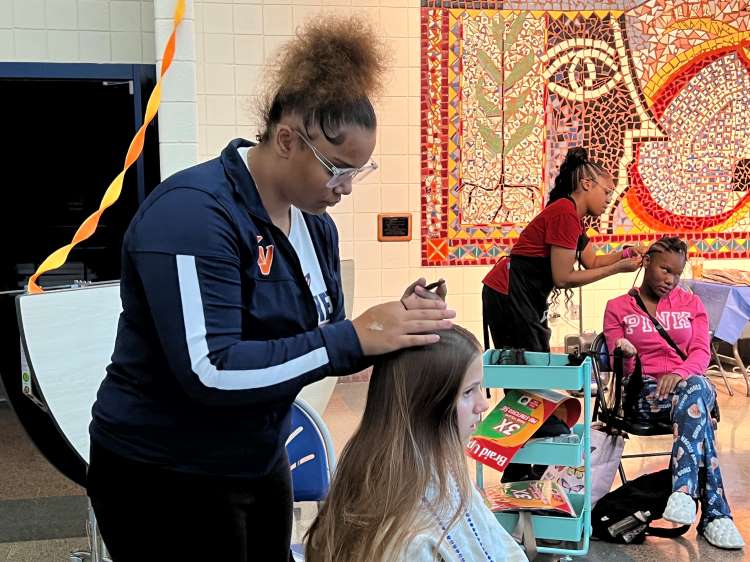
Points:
[[682, 315]]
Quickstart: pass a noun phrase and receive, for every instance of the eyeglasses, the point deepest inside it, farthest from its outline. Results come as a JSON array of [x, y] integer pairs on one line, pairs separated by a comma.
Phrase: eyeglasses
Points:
[[608, 192], [339, 176]]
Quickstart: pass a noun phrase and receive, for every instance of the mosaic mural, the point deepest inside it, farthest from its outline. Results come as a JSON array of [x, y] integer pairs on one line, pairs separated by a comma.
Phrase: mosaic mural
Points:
[[657, 91]]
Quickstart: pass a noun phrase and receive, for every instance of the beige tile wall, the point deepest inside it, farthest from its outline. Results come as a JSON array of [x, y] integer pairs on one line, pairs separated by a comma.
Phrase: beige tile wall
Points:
[[120, 31], [178, 112], [234, 41]]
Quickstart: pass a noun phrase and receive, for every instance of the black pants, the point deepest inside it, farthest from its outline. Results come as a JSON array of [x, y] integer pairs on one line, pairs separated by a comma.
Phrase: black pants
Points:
[[513, 323], [149, 513]]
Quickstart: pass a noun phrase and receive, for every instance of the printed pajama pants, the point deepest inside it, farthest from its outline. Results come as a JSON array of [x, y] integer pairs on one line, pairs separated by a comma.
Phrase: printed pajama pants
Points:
[[695, 463]]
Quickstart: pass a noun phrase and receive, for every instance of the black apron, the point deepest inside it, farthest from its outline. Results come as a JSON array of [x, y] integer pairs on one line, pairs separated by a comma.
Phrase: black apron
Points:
[[519, 319]]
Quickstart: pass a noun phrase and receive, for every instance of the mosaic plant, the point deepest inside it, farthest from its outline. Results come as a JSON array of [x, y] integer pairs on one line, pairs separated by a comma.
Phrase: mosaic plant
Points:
[[658, 92]]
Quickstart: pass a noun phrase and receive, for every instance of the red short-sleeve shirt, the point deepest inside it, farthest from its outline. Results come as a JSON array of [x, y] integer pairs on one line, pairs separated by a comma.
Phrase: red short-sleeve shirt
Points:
[[557, 225]]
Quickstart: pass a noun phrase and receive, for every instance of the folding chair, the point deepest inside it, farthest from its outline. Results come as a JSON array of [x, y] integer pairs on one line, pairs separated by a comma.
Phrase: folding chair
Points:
[[608, 404], [717, 363], [311, 457], [735, 360]]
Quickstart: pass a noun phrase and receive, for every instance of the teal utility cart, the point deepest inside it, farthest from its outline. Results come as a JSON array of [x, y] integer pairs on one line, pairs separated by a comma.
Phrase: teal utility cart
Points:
[[550, 371]]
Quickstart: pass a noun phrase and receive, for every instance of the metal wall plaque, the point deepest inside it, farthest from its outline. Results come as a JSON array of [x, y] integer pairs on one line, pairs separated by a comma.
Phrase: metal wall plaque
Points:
[[394, 227]]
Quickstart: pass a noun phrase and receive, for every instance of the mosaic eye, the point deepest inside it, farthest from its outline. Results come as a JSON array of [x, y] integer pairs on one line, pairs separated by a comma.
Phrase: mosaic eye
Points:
[[581, 69]]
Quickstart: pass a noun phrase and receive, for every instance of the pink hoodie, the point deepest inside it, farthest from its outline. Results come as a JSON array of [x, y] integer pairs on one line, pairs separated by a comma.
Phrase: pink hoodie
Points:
[[684, 318]]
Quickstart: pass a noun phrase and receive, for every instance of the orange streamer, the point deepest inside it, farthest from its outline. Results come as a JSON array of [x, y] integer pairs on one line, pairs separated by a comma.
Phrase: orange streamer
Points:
[[87, 228]]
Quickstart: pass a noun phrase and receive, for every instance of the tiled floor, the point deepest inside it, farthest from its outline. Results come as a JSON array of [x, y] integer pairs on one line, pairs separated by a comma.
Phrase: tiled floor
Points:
[[47, 505]]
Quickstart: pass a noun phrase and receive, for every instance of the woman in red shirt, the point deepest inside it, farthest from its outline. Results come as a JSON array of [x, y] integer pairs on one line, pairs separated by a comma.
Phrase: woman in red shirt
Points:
[[516, 290]]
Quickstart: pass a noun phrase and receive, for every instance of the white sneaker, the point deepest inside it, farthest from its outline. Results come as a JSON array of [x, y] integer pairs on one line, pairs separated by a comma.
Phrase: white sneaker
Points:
[[723, 533], [680, 509]]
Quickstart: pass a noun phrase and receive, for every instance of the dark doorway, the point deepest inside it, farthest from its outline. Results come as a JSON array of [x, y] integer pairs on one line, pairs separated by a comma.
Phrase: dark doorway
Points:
[[67, 130], [68, 139]]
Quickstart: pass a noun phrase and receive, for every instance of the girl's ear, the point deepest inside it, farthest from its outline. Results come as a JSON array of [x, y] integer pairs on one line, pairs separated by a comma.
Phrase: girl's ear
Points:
[[283, 138]]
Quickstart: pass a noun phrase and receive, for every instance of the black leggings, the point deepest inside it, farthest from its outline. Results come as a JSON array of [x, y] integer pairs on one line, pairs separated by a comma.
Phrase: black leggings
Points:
[[149, 513]]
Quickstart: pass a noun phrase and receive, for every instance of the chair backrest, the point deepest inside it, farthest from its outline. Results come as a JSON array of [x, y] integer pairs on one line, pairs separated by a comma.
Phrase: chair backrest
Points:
[[311, 454], [601, 353]]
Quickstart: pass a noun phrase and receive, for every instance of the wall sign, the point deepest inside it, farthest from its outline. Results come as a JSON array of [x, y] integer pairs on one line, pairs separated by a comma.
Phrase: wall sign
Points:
[[394, 227]]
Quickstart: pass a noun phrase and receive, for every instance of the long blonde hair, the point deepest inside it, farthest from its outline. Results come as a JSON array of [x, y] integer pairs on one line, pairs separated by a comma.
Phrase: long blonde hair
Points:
[[408, 440]]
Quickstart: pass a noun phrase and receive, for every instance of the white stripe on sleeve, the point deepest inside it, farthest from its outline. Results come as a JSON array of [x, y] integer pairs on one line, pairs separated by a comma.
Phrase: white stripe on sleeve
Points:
[[195, 336]]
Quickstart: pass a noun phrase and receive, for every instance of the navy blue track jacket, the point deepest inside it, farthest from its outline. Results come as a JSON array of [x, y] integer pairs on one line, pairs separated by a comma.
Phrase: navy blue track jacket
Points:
[[213, 345]]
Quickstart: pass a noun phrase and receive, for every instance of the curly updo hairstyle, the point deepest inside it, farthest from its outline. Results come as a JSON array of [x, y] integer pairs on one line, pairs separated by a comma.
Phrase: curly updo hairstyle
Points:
[[327, 75]]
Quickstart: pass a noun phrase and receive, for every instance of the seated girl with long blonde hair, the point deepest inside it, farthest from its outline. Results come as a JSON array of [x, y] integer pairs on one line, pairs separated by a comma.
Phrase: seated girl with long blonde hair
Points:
[[402, 490]]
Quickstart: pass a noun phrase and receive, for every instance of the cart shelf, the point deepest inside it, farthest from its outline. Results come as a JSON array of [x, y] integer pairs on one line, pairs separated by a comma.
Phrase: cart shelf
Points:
[[562, 528], [550, 371], [542, 370], [565, 454]]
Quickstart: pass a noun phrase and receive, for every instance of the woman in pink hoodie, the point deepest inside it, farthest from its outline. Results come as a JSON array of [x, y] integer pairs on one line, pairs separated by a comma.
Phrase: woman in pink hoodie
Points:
[[674, 386]]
